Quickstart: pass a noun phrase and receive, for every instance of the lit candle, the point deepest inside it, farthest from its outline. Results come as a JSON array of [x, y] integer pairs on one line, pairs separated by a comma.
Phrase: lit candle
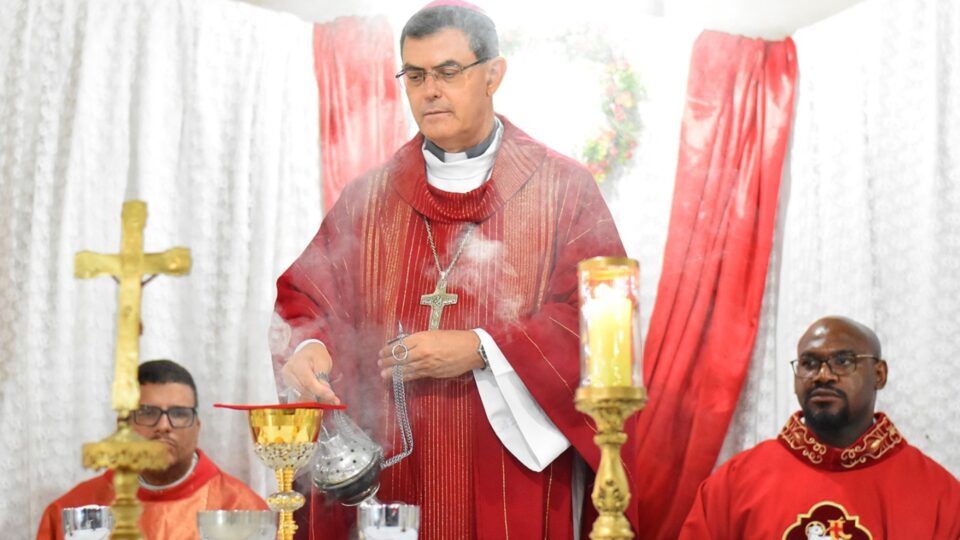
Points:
[[609, 322], [609, 337]]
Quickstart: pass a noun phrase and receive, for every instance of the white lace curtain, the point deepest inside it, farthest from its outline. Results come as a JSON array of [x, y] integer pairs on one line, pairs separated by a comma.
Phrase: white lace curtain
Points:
[[209, 106]]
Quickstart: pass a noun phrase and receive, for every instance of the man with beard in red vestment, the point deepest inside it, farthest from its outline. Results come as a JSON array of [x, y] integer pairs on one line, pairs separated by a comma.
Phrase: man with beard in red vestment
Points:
[[469, 237], [838, 470]]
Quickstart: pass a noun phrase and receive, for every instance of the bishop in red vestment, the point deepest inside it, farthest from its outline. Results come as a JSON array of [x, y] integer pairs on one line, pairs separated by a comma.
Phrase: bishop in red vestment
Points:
[[473, 207], [813, 481]]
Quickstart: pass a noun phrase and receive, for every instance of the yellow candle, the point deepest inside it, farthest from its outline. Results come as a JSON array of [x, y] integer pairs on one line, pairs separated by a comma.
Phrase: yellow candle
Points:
[[609, 338]]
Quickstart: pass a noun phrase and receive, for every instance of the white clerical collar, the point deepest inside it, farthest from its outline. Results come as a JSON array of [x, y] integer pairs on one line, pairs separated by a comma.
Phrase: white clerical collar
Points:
[[152, 487], [461, 173], [471, 152]]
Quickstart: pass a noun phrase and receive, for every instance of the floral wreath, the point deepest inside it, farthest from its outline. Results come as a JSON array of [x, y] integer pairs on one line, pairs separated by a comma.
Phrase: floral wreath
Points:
[[608, 154]]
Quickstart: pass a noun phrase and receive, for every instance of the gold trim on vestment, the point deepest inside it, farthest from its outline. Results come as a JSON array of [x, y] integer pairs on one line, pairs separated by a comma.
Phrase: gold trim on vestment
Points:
[[876, 442], [879, 440], [799, 438]]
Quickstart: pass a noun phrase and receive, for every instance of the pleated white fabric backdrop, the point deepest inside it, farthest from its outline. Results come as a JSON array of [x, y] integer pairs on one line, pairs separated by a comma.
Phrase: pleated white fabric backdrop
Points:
[[210, 107]]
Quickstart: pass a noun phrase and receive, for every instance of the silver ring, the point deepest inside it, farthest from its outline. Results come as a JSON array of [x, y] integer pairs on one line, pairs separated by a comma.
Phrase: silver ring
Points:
[[404, 352], [322, 377]]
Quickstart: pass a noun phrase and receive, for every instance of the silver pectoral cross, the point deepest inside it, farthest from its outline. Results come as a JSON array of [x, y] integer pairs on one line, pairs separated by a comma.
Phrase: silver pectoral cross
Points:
[[438, 300]]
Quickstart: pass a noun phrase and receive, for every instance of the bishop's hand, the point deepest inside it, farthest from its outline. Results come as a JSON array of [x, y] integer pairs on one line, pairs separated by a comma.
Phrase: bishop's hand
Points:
[[437, 354], [302, 369]]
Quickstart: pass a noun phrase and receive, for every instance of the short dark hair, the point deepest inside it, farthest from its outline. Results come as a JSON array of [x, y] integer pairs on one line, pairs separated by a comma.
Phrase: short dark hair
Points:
[[164, 372], [476, 25]]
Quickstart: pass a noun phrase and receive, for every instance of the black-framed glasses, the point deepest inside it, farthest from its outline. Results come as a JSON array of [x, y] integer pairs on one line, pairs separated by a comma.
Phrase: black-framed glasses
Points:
[[446, 74], [840, 364], [179, 417]]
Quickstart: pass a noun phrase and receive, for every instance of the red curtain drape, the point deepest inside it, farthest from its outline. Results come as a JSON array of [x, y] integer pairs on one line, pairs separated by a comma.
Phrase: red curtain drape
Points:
[[362, 121], [736, 124]]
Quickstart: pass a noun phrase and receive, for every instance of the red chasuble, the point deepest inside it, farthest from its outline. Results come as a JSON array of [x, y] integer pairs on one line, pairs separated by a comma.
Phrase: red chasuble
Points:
[[169, 514], [796, 488], [366, 270]]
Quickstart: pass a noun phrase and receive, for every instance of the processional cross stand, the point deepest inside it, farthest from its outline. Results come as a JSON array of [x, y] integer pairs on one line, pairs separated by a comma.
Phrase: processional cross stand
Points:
[[125, 452]]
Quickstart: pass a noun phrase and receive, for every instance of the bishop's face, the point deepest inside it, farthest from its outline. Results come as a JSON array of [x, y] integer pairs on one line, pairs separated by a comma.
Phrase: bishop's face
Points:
[[457, 113]]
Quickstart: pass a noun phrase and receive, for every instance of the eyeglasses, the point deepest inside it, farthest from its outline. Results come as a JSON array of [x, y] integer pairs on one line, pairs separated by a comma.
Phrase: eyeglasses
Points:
[[445, 74], [840, 364], [179, 417]]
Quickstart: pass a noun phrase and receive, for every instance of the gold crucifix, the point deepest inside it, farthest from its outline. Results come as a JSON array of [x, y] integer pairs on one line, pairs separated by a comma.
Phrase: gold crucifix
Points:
[[438, 300], [129, 266], [126, 452]]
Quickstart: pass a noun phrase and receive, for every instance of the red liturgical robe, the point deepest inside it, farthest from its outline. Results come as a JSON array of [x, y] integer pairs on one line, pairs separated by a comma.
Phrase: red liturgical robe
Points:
[[797, 487], [170, 514], [366, 270]]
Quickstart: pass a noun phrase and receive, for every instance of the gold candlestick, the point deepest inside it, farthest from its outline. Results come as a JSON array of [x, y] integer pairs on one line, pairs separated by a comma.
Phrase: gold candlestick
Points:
[[610, 382], [610, 407], [125, 452]]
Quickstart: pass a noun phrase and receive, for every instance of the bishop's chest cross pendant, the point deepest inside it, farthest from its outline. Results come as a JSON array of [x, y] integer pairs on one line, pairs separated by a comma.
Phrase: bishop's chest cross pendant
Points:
[[438, 300]]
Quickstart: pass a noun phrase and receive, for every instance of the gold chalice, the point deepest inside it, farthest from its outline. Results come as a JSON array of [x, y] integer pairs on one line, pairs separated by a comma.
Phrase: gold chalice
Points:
[[284, 437]]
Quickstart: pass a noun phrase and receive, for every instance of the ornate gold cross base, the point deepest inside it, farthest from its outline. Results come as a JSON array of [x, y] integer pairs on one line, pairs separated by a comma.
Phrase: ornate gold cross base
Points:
[[126, 453], [610, 407]]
